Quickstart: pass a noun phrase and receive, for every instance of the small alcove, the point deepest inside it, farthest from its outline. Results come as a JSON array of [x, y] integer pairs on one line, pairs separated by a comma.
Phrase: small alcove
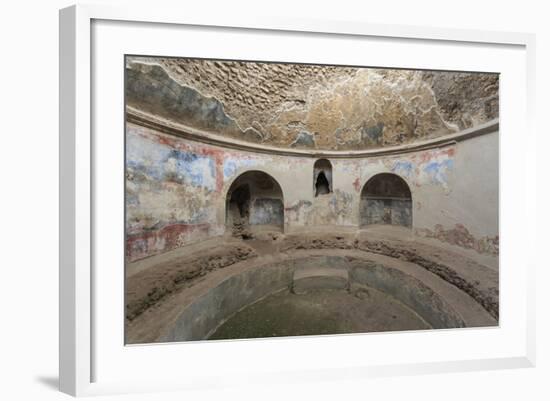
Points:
[[254, 199], [386, 199], [322, 177]]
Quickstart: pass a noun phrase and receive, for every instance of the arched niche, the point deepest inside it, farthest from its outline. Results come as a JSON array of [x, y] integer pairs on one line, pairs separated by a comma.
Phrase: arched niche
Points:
[[322, 177], [386, 199], [254, 200]]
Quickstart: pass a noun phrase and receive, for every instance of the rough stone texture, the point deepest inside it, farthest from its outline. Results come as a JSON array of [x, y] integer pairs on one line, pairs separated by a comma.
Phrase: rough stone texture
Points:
[[487, 297], [465, 99], [294, 209], [444, 287], [149, 87], [486, 293], [145, 289], [459, 235], [310, 106], [177, 190]]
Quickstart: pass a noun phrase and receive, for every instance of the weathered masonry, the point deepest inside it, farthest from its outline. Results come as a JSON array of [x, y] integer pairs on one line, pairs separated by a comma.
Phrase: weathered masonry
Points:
[[254, 198], [217, 148], [269, 199], [386, 199]]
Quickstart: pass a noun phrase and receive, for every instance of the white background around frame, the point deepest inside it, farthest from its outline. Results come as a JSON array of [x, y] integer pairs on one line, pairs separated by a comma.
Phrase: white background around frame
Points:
[[29, 203], [222, 363]]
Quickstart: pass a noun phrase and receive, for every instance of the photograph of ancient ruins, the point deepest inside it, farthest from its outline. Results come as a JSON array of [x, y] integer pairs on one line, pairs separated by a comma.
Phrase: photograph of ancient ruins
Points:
[[282, 199]]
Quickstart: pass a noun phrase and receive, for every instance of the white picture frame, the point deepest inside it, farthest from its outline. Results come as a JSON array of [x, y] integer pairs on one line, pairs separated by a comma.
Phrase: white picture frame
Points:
[[82, 195]]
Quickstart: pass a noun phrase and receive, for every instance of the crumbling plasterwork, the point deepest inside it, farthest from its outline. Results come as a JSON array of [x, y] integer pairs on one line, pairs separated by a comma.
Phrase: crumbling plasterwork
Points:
[[311, 106]]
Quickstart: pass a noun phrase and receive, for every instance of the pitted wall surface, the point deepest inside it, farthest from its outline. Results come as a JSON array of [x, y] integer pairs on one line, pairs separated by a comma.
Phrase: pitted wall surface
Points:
[[310, 106], [176, 190]]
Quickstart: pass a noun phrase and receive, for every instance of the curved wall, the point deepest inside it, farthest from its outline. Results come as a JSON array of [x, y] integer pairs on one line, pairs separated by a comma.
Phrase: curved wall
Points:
[[254, 198], [386, 199], [315, 107], [202, 317], [176, 189]]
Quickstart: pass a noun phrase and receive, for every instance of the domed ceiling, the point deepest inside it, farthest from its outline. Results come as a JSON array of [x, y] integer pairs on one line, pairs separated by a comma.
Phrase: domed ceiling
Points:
[[310, 106]]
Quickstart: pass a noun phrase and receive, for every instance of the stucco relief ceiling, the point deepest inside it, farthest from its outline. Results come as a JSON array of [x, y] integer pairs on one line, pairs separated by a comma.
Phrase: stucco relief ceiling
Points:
[[310, 106]]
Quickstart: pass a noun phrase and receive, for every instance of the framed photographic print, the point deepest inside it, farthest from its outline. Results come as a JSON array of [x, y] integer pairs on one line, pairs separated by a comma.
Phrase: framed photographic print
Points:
[[290, 198]]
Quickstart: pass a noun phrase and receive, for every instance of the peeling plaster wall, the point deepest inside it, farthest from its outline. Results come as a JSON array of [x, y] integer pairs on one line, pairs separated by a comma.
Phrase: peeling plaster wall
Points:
[[170, 193], [310, 106], [260, 197], [386, 199], [468, 213], [176, 190]]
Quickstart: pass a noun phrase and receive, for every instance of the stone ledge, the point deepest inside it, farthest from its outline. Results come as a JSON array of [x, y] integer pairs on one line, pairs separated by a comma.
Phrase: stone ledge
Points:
[[319, 277], [141, 118]]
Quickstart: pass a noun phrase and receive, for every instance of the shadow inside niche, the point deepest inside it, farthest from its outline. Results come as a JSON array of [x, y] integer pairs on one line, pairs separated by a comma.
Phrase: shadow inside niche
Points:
[[51, 382]]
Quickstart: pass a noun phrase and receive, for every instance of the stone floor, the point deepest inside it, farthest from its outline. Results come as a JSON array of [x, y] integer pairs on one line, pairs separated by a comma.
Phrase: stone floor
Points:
[[320, 312], [159, 289]]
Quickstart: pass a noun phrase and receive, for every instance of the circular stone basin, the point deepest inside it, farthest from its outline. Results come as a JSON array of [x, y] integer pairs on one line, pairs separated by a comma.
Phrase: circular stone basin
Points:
[[311, 296], [320, 312]]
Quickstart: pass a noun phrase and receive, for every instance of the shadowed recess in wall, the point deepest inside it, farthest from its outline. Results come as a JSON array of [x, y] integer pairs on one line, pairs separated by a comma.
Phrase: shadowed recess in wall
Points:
[[254, 199], [308, 229], [386, 199], [322, 177]]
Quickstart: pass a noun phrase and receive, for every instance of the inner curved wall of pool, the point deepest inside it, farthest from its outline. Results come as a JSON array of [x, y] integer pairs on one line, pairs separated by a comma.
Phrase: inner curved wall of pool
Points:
[[201, 318]]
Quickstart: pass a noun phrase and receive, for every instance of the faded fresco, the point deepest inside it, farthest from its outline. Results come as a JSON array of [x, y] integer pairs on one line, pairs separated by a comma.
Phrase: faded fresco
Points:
[[176, 192], [269, 199], [310, 106]]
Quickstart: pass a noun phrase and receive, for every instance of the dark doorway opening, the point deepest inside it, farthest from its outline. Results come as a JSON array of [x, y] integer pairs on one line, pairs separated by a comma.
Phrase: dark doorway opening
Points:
[[254, 200], [321, 186], [386, 199], [322, 177]]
